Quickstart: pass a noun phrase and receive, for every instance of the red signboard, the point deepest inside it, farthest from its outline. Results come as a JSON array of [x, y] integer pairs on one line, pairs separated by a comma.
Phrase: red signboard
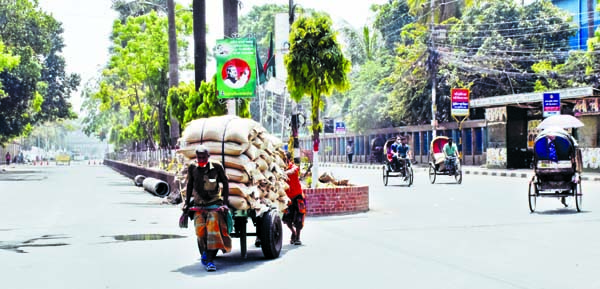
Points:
[[460, 101]]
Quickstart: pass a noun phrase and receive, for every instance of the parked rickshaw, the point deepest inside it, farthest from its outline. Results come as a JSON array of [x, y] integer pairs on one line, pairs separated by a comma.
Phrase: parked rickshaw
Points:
[[376, 155], [437, 165], [557, 174], [389, 170]]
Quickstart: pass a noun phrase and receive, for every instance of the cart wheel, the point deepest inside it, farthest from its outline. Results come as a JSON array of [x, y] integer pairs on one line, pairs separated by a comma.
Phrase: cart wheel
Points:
[[578, 196], [240, 229], [411, 176], [271, 234], [432, 173], [458, 176], [386, 176], [532, 195]]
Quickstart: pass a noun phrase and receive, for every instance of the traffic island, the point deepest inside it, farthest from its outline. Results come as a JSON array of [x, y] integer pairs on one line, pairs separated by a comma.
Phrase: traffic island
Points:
[[341, 200]]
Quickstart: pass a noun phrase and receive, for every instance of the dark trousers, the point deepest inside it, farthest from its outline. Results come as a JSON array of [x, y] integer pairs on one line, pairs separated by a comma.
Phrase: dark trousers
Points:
[[350, 158]]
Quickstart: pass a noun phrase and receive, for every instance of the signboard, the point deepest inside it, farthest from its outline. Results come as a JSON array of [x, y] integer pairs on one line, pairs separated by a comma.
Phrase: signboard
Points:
[[236, 67], [551, 104], [340, 127], [588, 106], [460, 101]]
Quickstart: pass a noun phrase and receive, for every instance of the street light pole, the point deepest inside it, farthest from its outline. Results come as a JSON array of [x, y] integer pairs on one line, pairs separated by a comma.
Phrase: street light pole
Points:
[[433, 72], [295, 120], [230, 29]]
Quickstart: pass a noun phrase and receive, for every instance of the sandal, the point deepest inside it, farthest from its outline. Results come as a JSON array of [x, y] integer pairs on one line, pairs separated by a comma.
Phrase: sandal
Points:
[[297, 242], [210, 267], [203, 259]]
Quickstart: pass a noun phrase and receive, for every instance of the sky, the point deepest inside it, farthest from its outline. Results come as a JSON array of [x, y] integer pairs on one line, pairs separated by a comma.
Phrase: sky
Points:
[[87, 26]]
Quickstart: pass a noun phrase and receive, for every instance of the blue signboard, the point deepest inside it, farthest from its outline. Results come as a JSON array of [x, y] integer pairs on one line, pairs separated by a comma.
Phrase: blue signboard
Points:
[[551, 104], [340, 127]]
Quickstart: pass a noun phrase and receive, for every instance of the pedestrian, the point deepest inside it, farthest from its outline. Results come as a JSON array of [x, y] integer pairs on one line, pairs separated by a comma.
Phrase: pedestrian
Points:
[[294, 215], [7, 156], [350, 151], [211, 215]]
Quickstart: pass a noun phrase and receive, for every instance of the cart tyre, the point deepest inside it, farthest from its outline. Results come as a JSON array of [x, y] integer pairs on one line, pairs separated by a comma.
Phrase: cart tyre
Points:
[[532, 196], [578, 194], [271, 234], [386, 176], [432, 173]]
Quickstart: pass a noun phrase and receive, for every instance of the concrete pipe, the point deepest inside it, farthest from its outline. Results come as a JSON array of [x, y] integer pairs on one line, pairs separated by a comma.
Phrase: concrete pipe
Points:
[[138, 180], [156, 187]]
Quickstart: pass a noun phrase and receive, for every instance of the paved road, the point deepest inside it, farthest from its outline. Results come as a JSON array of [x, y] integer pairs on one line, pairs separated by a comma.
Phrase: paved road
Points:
[[476, 235]]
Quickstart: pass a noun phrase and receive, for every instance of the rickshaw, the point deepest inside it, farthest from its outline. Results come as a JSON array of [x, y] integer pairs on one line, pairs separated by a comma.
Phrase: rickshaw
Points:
[[390, 171], [376, 150], [437, 159], [557, 175]]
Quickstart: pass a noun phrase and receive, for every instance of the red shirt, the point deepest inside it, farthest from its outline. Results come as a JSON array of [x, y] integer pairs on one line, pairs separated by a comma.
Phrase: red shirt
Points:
[[293, 181]]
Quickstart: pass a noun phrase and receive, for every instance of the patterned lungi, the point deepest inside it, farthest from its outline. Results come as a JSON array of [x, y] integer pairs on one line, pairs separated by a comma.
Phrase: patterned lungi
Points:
[[211, 229], [295, 212]]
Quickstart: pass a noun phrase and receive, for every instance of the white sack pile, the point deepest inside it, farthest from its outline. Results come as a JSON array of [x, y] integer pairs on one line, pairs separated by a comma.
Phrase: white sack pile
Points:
[[253, 159]]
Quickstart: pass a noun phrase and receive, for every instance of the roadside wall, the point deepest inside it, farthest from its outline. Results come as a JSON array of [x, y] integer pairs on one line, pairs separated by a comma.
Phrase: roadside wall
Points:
[[336, 201]]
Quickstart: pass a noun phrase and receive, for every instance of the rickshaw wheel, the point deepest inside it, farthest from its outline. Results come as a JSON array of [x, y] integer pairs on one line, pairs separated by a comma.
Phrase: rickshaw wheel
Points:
[[432, 173], [386, 176], [578, 194], [410, 176], [532, 196], [271, 234], [458, 176]]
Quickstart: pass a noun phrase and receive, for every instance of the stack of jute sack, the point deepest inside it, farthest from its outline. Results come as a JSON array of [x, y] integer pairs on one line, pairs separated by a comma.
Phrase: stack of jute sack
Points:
[[253, 159]]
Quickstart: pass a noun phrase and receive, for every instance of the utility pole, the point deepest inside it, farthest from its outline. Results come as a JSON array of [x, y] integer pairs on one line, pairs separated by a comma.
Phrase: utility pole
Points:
[[295, 120], [433, 72], [230, 29]]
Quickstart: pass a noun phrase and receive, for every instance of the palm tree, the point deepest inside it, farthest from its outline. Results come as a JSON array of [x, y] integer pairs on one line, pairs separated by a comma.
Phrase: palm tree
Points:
[[199, 15], [316, 66]]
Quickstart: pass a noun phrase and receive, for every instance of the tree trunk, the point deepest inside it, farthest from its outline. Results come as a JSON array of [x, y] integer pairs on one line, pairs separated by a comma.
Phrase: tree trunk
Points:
[[173, 66], [590, 20], [199, 15], [315, 100], [230, 29]]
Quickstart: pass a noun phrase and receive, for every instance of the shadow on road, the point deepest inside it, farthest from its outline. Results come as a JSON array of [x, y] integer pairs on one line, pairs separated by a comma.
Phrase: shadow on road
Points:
[[233, 262], [561, 211]]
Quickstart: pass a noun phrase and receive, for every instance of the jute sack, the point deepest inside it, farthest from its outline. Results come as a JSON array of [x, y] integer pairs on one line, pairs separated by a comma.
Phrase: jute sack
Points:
[[252, 152], [238, 202], [237, 176], [262, 164], [192, 132], [271, 195], [241, 162], [228, 129], [242, 190], [214, 148]]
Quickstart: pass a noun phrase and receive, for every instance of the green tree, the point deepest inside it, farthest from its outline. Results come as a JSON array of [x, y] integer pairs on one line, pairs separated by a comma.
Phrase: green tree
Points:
[[389, 20], [134, 86], [316, 66], [186, 104], [7, 62], [36, 89], [495, 45]]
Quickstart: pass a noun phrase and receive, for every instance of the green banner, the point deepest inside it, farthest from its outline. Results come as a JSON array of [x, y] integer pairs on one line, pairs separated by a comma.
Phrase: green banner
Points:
[[236, 67]]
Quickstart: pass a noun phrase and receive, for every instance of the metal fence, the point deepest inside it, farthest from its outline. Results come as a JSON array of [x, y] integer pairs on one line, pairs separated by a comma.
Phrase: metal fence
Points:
[[163, 159]]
